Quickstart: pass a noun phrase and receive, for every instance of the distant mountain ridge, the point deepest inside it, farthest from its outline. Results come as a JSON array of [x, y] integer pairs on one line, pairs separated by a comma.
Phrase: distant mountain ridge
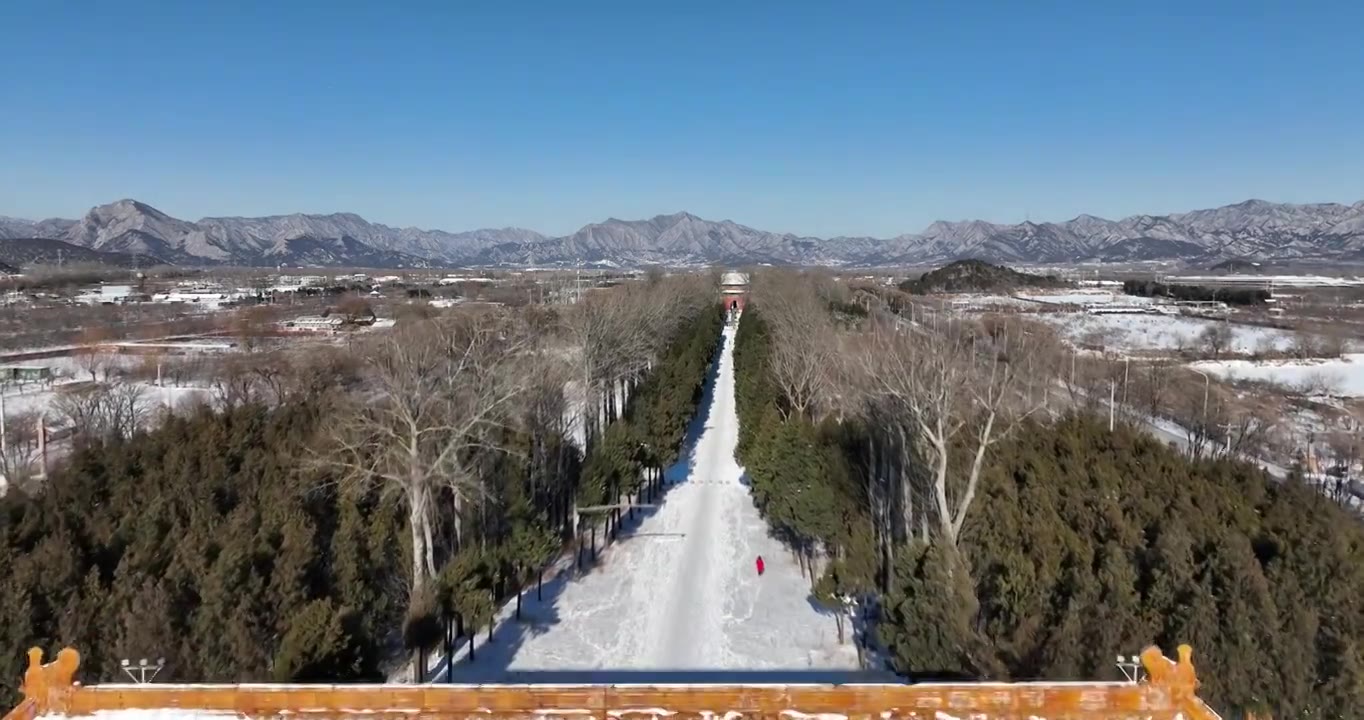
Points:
[[1254, 230], [23, 252]]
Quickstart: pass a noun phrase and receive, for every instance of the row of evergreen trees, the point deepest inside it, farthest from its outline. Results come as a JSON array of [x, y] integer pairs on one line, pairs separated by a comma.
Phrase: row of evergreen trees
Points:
[[1083, 544], [210, 543], [1231, 296], [219, 542], [800, 474]]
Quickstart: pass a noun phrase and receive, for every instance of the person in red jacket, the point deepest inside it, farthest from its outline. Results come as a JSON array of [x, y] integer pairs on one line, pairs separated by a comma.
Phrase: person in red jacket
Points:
[[760, 565]]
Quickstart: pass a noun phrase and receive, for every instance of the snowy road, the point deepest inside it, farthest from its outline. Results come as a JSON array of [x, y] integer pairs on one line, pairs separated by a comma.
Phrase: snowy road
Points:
[[679, 590]]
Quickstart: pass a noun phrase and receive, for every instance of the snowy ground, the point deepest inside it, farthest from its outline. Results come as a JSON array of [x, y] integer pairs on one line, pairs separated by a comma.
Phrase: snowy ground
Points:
[[1161, 332], [678, 591], [1260, 281], [1342, 377]]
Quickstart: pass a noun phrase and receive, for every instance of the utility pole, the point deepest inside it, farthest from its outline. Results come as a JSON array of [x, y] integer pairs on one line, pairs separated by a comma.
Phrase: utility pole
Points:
[[42, 445], [1112, 390], [578, 268], [1126, 364]]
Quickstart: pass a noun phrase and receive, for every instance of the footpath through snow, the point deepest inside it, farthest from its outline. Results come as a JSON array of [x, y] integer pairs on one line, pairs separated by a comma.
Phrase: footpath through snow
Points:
[[678, 590]]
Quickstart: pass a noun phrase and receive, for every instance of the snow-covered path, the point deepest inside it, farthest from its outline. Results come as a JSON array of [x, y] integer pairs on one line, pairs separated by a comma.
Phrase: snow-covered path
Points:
[[679, 590]]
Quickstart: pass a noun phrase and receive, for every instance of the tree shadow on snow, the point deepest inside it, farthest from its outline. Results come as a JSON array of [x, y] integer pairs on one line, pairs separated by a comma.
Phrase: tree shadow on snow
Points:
[[860, 626], [492, 660]]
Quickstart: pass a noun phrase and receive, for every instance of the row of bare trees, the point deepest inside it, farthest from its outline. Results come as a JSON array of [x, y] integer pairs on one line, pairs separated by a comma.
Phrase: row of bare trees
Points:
[[805, 346], [933, 398], [75, 416], [613, 338], [435, 396]]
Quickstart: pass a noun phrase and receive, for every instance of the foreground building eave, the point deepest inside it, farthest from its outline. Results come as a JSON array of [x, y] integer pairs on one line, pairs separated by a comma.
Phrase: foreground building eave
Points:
[[50, 691]]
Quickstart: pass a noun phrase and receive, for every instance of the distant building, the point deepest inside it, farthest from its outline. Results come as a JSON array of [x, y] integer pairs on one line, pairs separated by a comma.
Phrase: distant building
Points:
[[455, 279], [312, 324], [191, 347], [109, 295], [25, 373], [200, 297], [287, 283], [734, 290]]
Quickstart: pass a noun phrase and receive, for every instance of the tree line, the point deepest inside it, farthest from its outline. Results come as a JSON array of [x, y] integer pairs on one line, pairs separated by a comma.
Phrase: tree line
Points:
[[324, 521], [206, 542], [1230, 296], [990, 530]]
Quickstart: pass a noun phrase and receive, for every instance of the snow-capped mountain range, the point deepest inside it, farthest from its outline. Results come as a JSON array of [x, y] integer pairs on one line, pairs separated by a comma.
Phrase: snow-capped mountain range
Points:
[[1254, 230]]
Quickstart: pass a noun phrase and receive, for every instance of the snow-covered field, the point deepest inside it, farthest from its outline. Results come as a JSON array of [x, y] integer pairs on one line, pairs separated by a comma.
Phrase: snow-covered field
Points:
[[1160, 332], [1263, 280], [679, 590], [1342, 376]]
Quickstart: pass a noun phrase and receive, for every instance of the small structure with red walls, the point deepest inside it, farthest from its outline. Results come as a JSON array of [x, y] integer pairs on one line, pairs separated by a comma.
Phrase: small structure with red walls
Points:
[[733, 291]]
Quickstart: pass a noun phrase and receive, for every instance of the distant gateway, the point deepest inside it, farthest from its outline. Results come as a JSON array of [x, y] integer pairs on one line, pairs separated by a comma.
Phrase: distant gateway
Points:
[[733, 291]]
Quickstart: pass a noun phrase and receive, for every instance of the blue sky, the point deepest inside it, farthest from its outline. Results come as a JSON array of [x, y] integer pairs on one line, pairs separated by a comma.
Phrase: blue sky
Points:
[[811, 117]]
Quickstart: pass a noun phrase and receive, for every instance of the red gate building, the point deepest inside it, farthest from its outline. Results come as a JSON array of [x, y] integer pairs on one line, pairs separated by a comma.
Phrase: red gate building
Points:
[[733, 290]]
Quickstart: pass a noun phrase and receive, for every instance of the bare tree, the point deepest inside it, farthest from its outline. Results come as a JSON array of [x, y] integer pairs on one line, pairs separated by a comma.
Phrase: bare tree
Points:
[[1320, 383], [803, 338], [126, 408], [542, 413], [960, 391], [616, 336], [20, 453], [90, 355], [111, 408], [1216, 339], [1334, 344], [252, 325], [1245, 432], [433, 391], [355, 308], [233, 383], [82, 410], [271, 371], [605, 330], [1152, 385]]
